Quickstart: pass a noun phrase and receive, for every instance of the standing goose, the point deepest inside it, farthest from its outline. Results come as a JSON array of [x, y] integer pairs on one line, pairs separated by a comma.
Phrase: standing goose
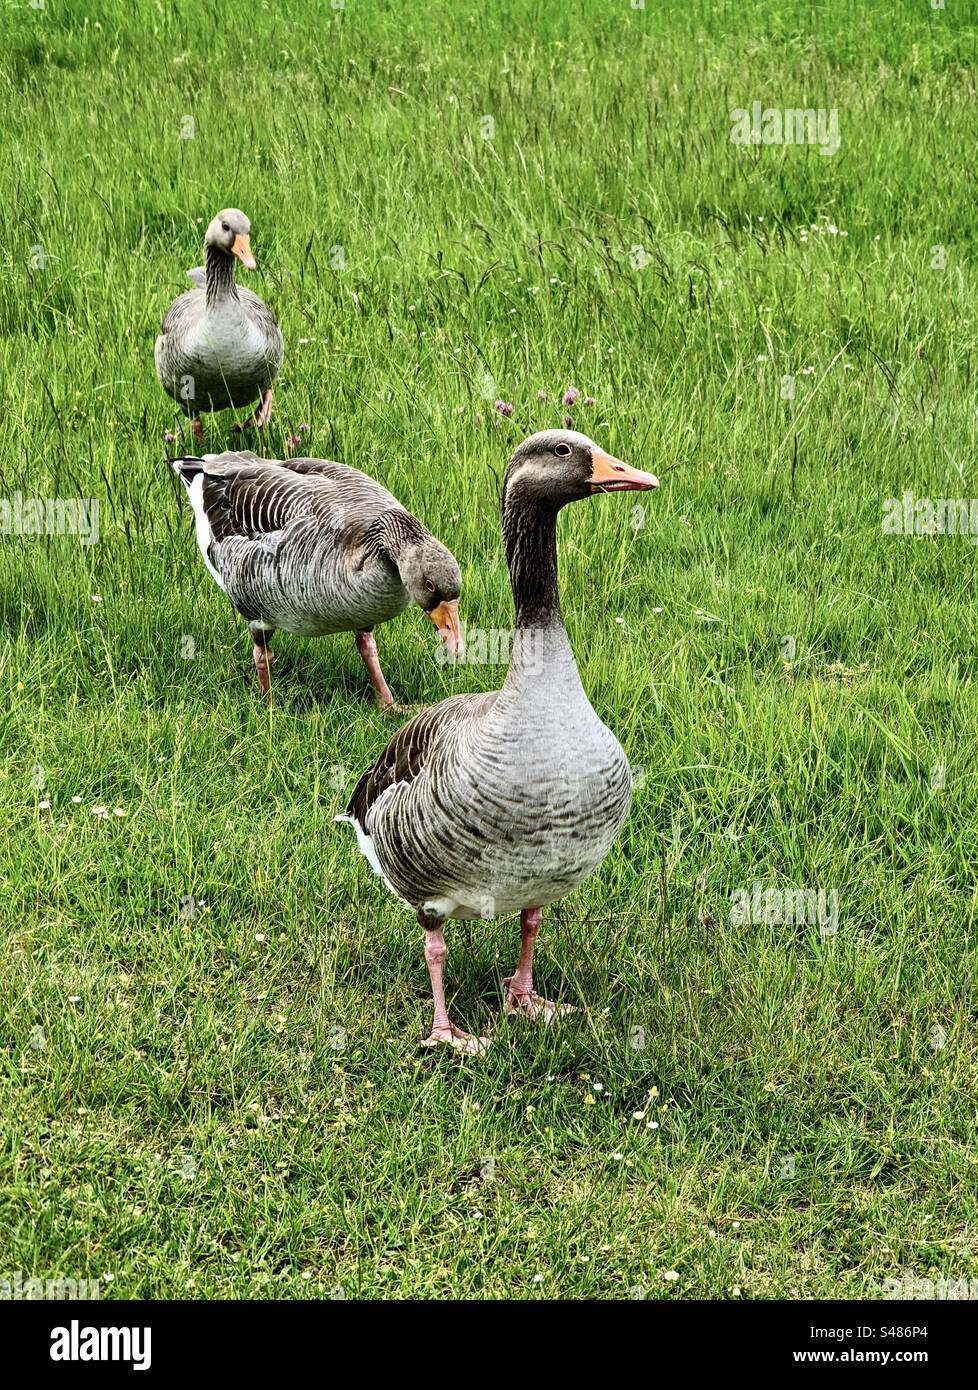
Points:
[[315, 547], [504, 802], [219, 345]]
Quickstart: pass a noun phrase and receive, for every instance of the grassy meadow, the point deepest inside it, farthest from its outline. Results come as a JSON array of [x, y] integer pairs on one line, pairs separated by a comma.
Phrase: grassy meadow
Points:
[[210, 1009]]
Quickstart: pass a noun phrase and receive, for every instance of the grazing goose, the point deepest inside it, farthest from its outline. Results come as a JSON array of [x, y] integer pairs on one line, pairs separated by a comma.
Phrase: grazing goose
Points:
[[315, 547], [219, 345], [504, 802]]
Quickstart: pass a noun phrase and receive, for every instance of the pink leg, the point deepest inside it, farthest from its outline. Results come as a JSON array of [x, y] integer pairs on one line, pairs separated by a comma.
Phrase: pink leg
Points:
[[262, 415], [443, 1030], [264, 412], [197, 428], [367, 647], [263, 657], [520, 998], [521, 982]]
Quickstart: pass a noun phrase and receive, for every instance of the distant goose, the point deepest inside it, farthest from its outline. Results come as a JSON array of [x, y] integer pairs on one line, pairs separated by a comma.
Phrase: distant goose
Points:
[[219, 345], [503, 802], [315, 547]]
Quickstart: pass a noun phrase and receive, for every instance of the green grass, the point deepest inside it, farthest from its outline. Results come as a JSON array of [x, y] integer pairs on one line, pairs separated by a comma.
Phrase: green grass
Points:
[[235, 1104]]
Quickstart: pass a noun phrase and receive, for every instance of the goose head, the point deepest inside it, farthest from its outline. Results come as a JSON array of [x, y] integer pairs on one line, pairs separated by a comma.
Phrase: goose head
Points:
[[430, 573], [230, 233], [555, 467]]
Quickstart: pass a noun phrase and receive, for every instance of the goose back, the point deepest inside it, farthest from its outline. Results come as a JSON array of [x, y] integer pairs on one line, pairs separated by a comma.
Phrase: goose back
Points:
[[297, 544]]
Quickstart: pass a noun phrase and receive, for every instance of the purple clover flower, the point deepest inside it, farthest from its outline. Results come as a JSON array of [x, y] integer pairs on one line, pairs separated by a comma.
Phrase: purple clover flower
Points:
[[571, 395], [505, 408]]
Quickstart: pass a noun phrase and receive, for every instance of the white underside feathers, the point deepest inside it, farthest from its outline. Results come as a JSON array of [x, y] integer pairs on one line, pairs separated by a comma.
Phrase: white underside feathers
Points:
[[202, 526], [370, 854]]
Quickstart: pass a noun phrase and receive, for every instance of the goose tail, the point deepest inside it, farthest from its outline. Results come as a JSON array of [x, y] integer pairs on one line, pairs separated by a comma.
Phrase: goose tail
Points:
[[188, 467], [368, 849], [191, 471]]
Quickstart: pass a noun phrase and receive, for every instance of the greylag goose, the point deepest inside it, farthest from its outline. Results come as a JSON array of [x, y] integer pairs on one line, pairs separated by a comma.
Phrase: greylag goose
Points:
[[219, 345], [504, 802], [314, 547]]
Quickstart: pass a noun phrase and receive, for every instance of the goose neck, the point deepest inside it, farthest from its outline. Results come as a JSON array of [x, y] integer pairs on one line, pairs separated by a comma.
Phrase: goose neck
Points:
[[530, 535], [220, 275], [394, 532]]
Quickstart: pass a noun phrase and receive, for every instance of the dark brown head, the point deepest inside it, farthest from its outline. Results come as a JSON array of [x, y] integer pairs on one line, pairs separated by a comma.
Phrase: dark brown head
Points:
[[555, 467], [230, 232], [547, 471], [430, 573]]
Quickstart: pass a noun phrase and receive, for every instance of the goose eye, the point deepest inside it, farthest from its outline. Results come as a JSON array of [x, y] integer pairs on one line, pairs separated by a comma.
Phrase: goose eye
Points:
[[225, 226], [429, 586], [562, 450]]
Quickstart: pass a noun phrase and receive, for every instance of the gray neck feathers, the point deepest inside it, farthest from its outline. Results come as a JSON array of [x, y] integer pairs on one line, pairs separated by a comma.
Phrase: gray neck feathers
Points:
[[220, 275], [392, 532], [530, 536], [542, 655]]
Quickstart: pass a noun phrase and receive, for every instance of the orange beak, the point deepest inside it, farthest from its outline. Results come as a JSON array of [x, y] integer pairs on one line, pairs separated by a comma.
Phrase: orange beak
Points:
[[609, 474], [445, 619], [241, 247]]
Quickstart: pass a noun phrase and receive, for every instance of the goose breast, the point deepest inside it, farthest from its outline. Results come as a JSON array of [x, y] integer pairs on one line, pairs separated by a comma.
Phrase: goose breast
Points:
[[516, 813], [231, 351]]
